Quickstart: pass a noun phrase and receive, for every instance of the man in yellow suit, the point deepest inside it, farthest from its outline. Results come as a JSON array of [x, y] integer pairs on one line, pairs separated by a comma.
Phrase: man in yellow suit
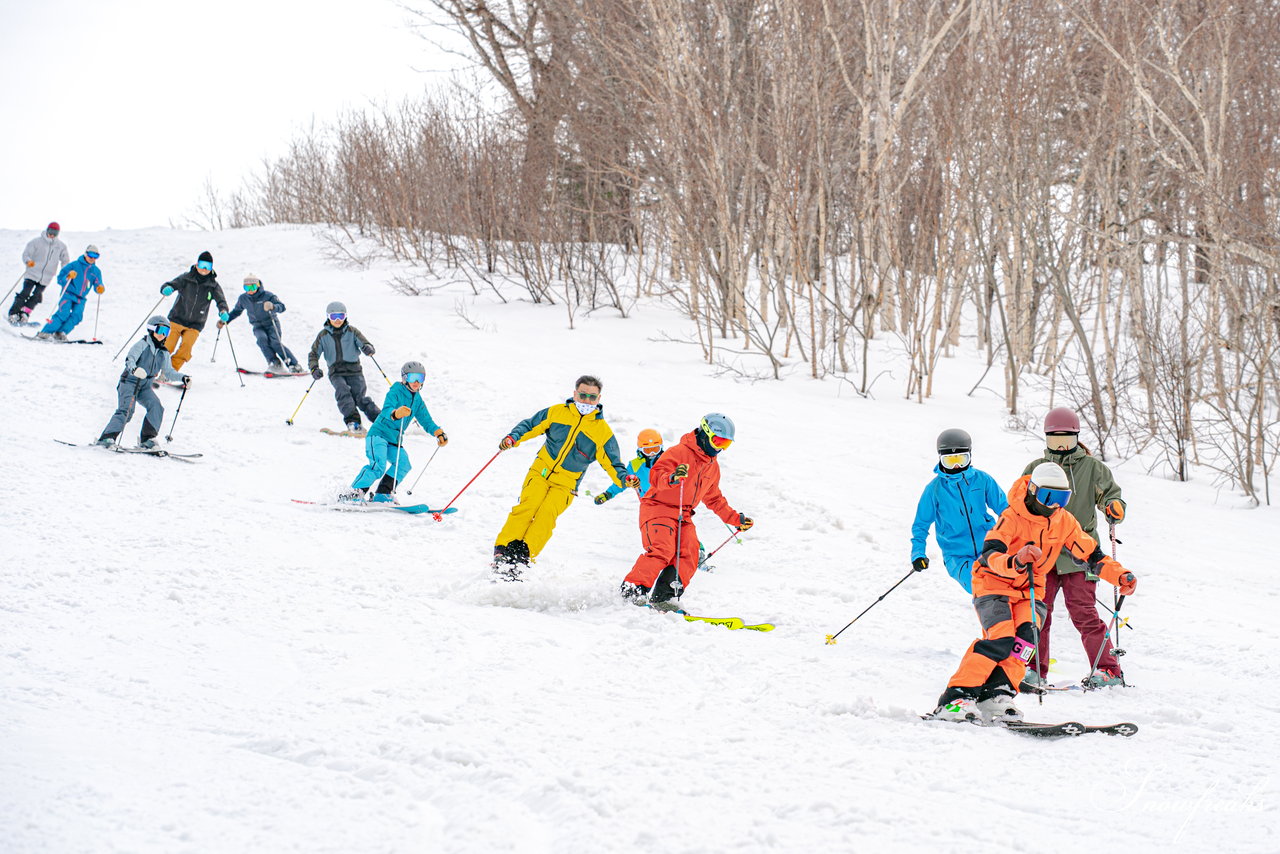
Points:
[[576, 434]]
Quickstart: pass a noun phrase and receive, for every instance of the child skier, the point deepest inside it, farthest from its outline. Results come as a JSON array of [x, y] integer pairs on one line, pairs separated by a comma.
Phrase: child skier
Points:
[[147, 360], [955, 504], [685, 476], [383, 445], [1008, 579], [648, 449], [263, 306], [342, 345], [1093, 488], [76, 279]]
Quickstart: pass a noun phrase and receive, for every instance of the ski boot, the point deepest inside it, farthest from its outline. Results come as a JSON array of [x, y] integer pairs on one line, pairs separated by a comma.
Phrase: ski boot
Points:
[[999, 709], [1104, 679], [1033, 683], [960, 710], [147, 444], [44, 336]]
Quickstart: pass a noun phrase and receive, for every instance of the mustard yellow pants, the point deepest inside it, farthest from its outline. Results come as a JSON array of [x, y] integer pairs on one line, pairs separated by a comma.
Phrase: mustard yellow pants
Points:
[[533, 519], [183, 338]]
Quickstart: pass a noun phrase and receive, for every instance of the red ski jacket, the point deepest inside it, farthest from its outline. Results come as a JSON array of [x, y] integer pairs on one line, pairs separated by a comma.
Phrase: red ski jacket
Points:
[[702, 486]]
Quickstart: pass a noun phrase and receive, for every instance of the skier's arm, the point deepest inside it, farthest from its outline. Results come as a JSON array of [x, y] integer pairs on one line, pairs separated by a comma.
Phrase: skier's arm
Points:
[[719, 505], [63, 253], [535, 425], [926, 514], [276, 305], [1108, 491], [166, 368], [313, 358], [996, 498], [29, 254], [423, 416], [361, 341], [131, 360], [610, 461], [238, 310], [216, 290]]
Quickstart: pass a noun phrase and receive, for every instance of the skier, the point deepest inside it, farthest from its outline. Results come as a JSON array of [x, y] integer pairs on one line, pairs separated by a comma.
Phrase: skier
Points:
[[687, 474], [648, 449], [76, 279], [147, 360], [383, 445], [196, 288], [263, 306], [955, 504], [576, 434], [342, 345], [43, 256], [1017, 558], [1093, 486]]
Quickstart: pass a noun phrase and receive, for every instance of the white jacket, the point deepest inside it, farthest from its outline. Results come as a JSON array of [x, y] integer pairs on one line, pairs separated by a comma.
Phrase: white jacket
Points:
[[50, 255]]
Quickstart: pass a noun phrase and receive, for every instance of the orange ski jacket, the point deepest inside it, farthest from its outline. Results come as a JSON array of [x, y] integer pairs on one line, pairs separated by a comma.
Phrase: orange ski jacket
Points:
[[701, 486]]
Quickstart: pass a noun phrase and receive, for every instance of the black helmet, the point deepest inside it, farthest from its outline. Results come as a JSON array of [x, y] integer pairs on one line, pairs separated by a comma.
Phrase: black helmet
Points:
[[954, 441]]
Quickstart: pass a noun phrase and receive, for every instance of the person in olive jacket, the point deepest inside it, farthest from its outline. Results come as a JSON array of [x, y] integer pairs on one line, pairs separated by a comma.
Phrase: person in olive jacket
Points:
[[196, 288], [1093, 488]]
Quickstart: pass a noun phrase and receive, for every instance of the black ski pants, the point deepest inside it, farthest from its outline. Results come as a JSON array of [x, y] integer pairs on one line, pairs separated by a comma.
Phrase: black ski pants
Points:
[[352, 395], [28, 298]]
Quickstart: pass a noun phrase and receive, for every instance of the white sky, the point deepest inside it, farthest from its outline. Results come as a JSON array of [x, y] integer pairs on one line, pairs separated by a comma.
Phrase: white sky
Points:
[[116, 111]]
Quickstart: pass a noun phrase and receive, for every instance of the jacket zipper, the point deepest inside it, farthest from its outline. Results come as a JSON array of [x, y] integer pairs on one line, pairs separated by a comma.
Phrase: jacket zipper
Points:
[[568, 443], [969, 521]]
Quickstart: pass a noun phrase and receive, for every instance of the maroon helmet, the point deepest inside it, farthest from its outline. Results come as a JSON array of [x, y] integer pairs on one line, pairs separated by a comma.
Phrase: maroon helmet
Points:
[[1061, 420]]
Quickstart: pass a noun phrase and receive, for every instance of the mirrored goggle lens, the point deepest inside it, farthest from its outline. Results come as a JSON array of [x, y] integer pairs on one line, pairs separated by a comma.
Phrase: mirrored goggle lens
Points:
[[251, 287], [415, 378], [93, 255], [650, 450], [53, 232], [337, 315], [1053, 497], [204, 265], [954, 461], [720, 442], [162, 330]]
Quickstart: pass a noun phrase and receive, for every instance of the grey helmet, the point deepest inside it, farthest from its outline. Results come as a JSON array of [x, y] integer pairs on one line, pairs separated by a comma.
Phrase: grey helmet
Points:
[[155, 322], [412, 368], [335, 307], [954, 441]]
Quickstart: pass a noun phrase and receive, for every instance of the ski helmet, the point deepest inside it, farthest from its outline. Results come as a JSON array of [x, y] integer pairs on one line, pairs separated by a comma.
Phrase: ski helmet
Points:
[[718, 429], [649, 442], [156, 321], [1061, 420], [412, 368], [1050, 485], [91, 251], [335, 307], [954, 441]]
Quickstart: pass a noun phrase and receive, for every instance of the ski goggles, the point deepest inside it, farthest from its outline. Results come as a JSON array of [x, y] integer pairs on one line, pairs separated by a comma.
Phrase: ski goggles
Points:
[[718, 442], [415, 378], [204, 265], [161, 329], [251, 287], [960, 459], [51, 232], [338, 315], [651, 450], [1050, 497], [94, 255]]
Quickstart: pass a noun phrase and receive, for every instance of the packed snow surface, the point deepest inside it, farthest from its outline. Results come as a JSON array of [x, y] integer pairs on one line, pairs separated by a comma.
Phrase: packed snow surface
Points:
[[193, 662]]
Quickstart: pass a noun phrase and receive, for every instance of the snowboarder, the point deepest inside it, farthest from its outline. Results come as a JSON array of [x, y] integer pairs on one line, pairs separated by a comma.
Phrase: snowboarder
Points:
[[147, 360], [342, 345], [686, 475], [196, 288], [77, 278], [648, 449], [955, 504], [576, 434], [263, 306], [1016, 560], [384, 444], [1093, 488], [43, 257]]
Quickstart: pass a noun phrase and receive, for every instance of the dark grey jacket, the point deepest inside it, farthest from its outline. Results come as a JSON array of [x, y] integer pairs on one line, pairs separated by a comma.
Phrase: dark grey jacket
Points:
[[341, 348]]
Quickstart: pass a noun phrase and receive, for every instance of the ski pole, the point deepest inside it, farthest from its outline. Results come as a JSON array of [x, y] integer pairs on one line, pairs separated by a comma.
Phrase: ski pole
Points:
[[395, 473], [1123, 624], [234, 360], [136, 328], [424, 470], [289, 421], [214, 356], [21, 276], [176, 413], [732, 536], [1115, 594], [379, 367], [675, 583], [1102, 646], [437, 516], [97, 310], [1035, 630], [832, 638]]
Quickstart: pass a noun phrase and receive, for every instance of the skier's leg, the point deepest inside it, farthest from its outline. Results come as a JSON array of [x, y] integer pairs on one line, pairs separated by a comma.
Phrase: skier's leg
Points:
[[342, 394], [1052, 582], [688, 552], [532, 493], [1080, 595], [360, 392], [263, 339], [33, 298], [20, 300], [375, 448], [960, 567], [995, 613], [63, 314], [155, 413], [187, 341], [556, 501], [125, 394], [658, 535]]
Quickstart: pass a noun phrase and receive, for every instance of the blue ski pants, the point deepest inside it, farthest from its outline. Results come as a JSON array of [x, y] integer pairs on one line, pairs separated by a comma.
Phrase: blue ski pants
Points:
[[384, 458], [960, 567], [273, 349], [69, 314]]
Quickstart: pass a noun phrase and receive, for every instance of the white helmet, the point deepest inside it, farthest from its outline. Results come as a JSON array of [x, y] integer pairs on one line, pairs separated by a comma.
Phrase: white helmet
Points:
[[1050, 485]]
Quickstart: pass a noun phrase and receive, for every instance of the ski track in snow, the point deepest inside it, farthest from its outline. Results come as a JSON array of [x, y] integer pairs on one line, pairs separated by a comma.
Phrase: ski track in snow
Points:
[[191, 662]]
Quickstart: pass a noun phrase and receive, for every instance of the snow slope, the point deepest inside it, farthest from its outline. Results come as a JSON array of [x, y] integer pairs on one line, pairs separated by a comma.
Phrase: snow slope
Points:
[[191, 662]]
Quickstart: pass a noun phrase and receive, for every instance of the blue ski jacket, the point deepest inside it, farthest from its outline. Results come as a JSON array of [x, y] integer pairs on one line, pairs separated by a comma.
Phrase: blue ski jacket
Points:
[[955, 505], [252, 303], [397, 396], [87, 276], [640, 467]]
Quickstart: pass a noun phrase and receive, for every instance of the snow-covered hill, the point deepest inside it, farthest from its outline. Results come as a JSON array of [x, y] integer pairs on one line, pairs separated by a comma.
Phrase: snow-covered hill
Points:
[[191, 662]]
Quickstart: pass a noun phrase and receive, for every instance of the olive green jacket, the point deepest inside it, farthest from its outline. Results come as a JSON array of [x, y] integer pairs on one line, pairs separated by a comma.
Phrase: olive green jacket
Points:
[[1092, 486]]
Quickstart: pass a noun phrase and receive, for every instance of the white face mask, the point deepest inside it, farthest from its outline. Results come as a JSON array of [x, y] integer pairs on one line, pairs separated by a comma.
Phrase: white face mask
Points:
[[585, 408]]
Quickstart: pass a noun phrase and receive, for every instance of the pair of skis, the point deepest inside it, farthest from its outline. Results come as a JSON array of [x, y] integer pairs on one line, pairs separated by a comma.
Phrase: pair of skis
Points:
[[271, 375], [151, 452], [56, 341], [731, 623], [375, 506], [1061, 730]]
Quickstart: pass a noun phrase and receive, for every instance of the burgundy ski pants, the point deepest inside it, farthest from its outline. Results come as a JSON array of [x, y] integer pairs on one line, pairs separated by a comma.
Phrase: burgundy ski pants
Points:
[[1078, 591]]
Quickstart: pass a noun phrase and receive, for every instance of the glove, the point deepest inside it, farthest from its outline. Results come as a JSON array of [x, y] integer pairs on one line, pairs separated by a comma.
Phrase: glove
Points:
[[1114, 511], [166, 290], [400, 412], [31, 263], [1026, 557], [140, 373], [601, 498], [681, 472], [268, 306], [99, 289], [441, 438], [1128, 583], [71, 274], [223, 316], [316, 373], [367, 349], [186, 381], [920, 564], [506, 444], [221, 324], [745, 522], [631, 481]]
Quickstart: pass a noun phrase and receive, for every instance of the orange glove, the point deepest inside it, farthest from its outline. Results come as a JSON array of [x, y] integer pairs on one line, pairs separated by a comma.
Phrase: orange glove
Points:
[[1128, 583], [1114, 510], [31, 263], [400, 412], [506, 444], [99, 289], [1026, 557], [71, 274]]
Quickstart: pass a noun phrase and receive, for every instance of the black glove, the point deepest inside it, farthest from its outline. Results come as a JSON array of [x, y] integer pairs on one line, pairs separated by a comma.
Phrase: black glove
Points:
[[602, 498], [317, 373], [745, 522], [920, 564], [186, 381], [367, 349], [681, 472]]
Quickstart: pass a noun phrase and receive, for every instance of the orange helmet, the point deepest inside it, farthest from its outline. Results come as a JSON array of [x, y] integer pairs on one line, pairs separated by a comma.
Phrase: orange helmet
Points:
[[649, 442]]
